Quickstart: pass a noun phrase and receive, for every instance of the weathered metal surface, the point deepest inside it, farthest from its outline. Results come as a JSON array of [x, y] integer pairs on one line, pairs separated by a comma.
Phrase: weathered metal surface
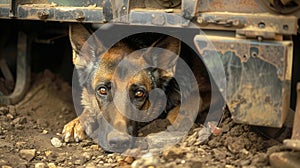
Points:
[[157, 18], [240, 6], [85, 3], [162, 4], [282, 6], [56, 13], [258, 76], [250, 25], [189, 8], [4, 11], [23, 72]]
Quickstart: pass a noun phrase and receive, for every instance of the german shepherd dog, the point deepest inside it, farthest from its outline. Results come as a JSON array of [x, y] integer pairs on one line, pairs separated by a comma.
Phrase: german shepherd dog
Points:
[[105, 77]]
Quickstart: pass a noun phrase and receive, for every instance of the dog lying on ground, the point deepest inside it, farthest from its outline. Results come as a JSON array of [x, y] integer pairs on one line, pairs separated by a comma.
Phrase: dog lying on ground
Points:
[[108, 86]]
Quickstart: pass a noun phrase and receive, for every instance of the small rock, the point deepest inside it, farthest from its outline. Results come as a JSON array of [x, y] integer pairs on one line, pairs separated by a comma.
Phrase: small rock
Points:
[[3, 110], [129, 159], [3, 162], [87, 155], [56, 142], [147, 160], [27, 154], [80, 161], [12, 110], [20, 144], [94, 147], [162, 139], [39, 165], [77, 162], [44, 132], [19, 120], [6, 166], [51, 165], [245, 162], [203, 135], [173, 152], [48, 153], [90, 165], [10, 116], [219, 154]]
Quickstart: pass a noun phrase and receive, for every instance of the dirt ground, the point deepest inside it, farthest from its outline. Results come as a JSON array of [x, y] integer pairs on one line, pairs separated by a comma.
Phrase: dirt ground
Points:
[[30, 137]]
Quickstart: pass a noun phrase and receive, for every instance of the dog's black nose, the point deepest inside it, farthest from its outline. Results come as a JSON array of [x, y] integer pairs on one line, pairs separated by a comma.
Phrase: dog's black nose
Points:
[[118, 142]]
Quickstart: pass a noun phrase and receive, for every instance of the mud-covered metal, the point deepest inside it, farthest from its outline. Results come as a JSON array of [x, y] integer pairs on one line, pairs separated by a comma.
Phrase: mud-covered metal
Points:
[[189, 8], [157, 18], [91, 11], [258, 76], [250, 25], [238, 6], [56, 13]]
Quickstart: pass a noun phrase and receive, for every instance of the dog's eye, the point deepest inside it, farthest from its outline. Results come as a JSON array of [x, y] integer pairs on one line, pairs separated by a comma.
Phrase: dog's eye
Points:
[[139, 93], [102, 90]]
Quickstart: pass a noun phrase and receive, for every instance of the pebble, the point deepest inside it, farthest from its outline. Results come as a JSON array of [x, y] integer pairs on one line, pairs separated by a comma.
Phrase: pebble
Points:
[[19, 120], [20, 144], [90, 165], [87, 155], [10, 116], [6, 166], [173, 152], [12, 110], [48, 153], [94, 147], [56, 142], [79, 162], [3, 162], [147, 160], [39, 165], [3, 110], [27, 154], [44, 132], [51, 165]]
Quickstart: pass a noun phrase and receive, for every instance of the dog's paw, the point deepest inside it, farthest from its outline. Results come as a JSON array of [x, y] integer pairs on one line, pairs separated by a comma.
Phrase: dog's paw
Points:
[[73, 131]]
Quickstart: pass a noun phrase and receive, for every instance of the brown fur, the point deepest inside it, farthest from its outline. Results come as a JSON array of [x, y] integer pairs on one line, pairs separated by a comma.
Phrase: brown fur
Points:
[[85, 59]]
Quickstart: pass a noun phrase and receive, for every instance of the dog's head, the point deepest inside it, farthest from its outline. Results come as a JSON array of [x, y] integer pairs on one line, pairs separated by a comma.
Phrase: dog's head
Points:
[[122, 86]]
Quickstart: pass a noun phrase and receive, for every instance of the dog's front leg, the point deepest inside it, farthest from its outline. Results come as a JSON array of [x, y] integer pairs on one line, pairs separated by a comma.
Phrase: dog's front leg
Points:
[[74, 130]]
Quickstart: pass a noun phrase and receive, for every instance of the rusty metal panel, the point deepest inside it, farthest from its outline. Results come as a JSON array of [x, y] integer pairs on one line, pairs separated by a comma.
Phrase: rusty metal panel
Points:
[[245, 6], [189, 8], [258, 77], [50, 12], [157, 18], [250, 25], [4, 10]]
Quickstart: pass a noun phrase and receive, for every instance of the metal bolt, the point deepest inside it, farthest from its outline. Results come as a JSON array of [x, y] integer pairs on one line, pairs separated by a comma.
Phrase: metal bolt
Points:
[[261, 25], [158, 19], [79, 15], [259, 38], [43, 14]]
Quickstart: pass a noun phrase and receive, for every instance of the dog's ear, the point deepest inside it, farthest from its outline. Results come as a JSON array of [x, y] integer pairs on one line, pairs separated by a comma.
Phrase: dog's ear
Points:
[[86, 49], [86, 46], [164, 54]]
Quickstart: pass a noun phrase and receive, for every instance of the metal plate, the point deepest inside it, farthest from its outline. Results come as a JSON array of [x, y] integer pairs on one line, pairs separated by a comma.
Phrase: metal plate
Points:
[[258, 76]]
